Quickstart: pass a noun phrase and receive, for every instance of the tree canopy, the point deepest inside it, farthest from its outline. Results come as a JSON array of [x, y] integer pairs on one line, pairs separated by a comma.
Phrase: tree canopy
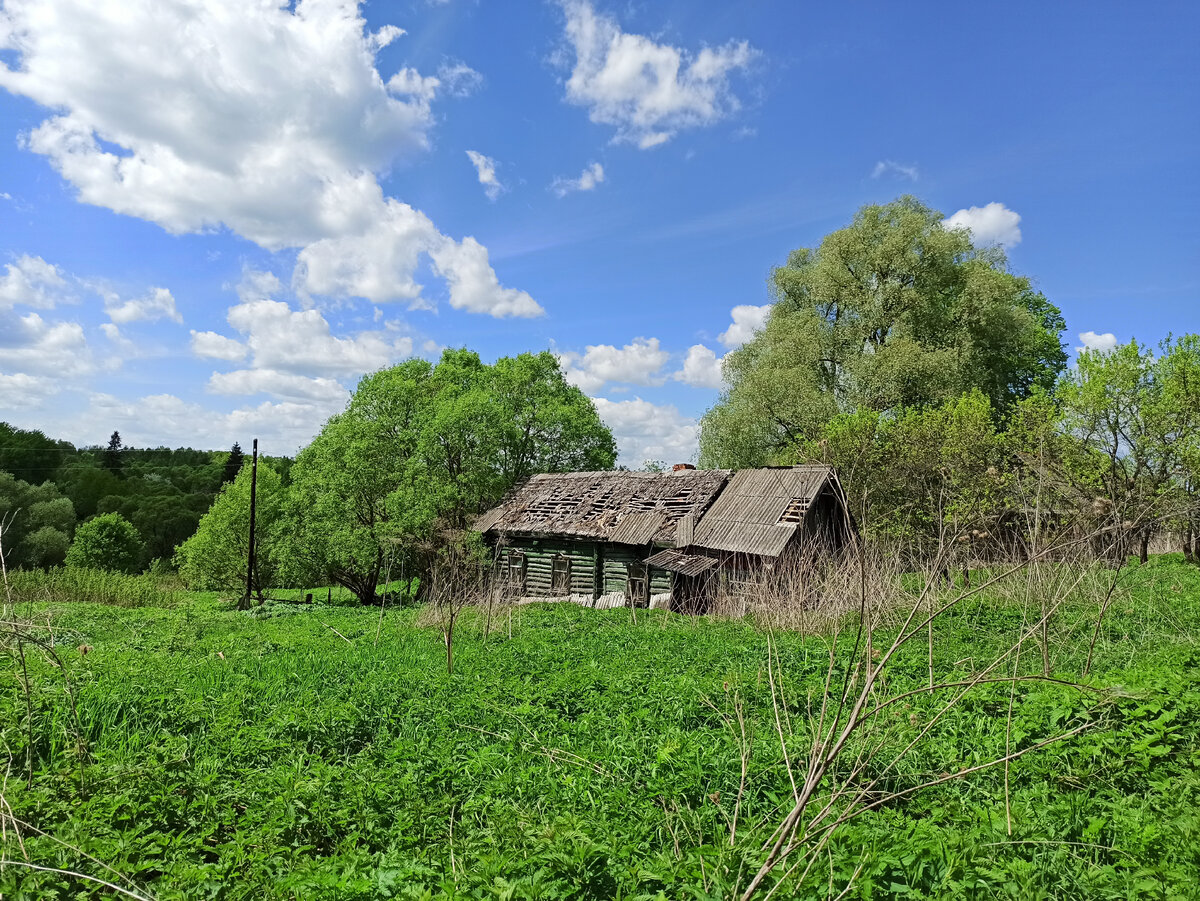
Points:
[[422, 448], [37, 522], [108, 541], [214, 558], [894, 311]]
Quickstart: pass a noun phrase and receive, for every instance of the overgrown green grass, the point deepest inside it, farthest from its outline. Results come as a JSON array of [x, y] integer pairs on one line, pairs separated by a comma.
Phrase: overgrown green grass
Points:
[[584, 756], [69, 585]]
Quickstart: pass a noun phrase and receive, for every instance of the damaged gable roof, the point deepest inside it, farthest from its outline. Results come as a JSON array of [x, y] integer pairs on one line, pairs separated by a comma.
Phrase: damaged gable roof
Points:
[[760, 509], [621, 507]]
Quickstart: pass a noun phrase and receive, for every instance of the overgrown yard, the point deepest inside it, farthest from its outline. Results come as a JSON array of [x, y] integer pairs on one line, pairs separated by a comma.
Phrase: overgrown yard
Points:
[[577, 754]]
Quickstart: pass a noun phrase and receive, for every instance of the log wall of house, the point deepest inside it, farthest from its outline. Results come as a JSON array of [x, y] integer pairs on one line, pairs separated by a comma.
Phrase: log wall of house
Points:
[[539, 564], [595, 568]]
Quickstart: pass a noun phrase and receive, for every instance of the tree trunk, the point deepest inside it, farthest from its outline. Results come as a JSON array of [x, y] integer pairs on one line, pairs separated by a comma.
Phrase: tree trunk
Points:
[[1189, 552], [1145, 550]]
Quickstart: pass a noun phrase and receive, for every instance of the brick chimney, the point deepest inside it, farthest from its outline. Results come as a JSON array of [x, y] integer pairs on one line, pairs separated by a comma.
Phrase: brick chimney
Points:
[[679, 466]]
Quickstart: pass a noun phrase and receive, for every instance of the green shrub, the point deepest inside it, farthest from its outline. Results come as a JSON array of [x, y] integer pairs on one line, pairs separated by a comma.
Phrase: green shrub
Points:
[[109, 542]]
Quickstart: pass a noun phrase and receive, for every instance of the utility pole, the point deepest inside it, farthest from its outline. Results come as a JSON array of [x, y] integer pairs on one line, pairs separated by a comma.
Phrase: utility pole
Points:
[[245, 605]]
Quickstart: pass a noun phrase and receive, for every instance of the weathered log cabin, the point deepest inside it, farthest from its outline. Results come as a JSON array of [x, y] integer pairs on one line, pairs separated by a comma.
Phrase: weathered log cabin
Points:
[[615, 538]]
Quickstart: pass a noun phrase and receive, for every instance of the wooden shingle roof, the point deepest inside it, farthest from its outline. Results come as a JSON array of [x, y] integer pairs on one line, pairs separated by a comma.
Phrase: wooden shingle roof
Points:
[[635, 508]]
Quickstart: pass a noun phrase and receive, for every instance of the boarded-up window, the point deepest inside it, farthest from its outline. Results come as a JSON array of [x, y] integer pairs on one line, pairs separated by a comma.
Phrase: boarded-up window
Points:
[[515, 571], [637, 588], [560, 574]]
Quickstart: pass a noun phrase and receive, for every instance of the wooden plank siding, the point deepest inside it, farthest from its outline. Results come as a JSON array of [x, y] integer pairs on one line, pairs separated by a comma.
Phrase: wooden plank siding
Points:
[[595, 569]]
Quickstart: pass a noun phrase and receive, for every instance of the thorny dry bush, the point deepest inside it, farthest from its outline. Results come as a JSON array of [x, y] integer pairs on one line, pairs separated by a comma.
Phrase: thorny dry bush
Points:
[[869, 611]]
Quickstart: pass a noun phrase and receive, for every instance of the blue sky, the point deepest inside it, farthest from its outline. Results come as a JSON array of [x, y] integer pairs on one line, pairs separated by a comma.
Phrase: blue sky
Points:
[[215, 216]]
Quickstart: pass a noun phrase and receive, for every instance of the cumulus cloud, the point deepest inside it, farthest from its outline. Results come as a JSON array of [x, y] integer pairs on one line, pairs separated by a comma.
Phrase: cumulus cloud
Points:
[[270, 119], [701, 368], [158, 304], [213, 346], [281, 426], [279, 384], [20, 390], [31, 345], [646, 431], [991, 224], [748, 320], [485, 167], [31, 282], [891, 167], [301, 342], [1104, 343], [646, 90], [637, 363], [591, 176]]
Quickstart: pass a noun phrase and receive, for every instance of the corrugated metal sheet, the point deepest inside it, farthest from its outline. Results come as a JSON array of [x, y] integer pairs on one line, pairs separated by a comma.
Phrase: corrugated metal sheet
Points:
[[623, 507], [745, 518], [637, 528], [679, 562], [685, 530]]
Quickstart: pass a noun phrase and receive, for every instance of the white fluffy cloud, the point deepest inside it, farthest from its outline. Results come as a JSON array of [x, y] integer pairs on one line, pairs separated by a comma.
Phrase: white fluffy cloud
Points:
[[748, 320], [268, 118], [157, 304], [637, 363], [32, 346], [891, 167], [31, 282], [646, 431], [20, 390], [991, 224], [211, 346], [485, 168], [282, 427], [592, 175], [701, 368], [301, 342], [278, 384], [1104, 343], [646, 90]]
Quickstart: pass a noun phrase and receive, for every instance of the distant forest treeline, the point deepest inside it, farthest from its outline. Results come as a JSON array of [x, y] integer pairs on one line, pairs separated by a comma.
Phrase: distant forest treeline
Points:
[[48, 487]]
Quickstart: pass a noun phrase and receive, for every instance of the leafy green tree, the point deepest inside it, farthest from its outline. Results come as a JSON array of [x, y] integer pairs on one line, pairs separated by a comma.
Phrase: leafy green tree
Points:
[[923, 475], [30, 455], [214, 558], [108, 541], [893, 312], [29, 514], [45, 547], [420, 449]]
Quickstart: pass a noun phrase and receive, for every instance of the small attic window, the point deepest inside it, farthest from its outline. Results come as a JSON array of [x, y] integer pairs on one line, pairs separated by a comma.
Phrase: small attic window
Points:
[[794, 511]]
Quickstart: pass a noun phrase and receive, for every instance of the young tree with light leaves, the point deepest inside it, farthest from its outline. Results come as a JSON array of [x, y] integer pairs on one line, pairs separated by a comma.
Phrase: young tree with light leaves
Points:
[[215, 558], [421, 449]]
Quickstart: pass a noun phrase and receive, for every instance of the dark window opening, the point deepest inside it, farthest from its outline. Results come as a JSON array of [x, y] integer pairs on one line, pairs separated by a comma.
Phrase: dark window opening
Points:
[[515, 571], [560, 574], [637, 587]]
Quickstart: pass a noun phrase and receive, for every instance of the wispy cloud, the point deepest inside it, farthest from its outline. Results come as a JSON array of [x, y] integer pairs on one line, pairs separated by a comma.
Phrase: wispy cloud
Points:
[[894, 169], [587, 181], [485, 167]]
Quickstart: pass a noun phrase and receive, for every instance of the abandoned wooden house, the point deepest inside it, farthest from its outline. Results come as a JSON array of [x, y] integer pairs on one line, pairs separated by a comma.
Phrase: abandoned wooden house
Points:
[[656, 539]]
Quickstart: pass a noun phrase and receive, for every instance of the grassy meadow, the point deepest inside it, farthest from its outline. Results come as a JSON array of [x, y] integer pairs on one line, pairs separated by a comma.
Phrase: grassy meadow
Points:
[[323, 751]]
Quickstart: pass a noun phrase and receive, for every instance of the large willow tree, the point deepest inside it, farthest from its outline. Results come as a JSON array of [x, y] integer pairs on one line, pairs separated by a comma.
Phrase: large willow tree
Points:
[[893, 312]]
